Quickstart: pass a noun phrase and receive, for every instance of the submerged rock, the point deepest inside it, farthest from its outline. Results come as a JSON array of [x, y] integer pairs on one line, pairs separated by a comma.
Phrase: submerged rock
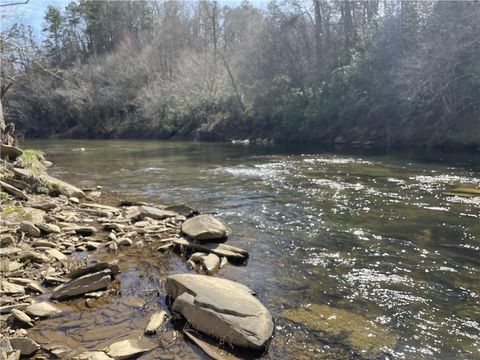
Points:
[[211, 350], [156, 321], [222, 308], [205, 228], [365, 337], [464, 190], [125, 349], [92, 355]]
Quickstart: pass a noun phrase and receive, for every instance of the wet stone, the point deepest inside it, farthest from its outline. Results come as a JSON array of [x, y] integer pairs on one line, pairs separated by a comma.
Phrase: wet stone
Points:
[[156, 321], [222, 308], [92, 355], [83, 284], [93, 268], [125, 349], [25, 345], [42, 310], [205, 228]]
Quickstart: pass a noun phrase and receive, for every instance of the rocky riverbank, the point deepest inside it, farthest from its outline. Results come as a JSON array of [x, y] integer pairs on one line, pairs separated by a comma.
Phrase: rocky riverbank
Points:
[[47, 227]]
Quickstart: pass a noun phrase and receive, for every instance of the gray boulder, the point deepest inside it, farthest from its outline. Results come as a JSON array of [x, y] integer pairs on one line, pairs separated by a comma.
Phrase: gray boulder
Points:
[[29, 228], [205, 228], [83, 284], [25, 345], [221, 308], [209, 263], [184, 210]]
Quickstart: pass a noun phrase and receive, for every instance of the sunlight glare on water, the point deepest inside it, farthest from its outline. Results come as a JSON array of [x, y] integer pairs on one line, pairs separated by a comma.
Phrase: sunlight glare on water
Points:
[[370, 238]]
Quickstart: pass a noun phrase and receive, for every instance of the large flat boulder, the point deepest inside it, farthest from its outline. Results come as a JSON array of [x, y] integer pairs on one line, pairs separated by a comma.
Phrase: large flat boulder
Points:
[[205, 228], [82, 285], [221, 308], [11, 152]]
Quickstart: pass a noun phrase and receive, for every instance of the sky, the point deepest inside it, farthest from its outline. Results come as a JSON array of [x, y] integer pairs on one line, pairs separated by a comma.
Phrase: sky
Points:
[[32, 13]]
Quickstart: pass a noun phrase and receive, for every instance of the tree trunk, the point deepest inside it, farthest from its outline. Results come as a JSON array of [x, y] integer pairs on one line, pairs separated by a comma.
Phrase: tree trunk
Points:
[[347, 23], [318, 34], [2, 121]]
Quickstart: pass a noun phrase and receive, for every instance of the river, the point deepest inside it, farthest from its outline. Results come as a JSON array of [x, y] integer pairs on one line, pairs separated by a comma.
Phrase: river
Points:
[[357, 255]]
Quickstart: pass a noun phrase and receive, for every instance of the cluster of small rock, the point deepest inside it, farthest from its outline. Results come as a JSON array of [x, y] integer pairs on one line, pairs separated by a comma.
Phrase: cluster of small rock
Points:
[[39, 232]]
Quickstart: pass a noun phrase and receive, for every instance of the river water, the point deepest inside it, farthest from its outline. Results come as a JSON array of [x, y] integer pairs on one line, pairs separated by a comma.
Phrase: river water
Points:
[[356, 255]]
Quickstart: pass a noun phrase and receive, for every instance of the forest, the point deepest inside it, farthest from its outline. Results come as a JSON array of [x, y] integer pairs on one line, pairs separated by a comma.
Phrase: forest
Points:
[[369, 73]]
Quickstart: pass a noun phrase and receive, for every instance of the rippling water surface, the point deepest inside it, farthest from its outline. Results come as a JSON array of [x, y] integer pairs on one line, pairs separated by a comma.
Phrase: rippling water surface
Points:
[[344, 248]]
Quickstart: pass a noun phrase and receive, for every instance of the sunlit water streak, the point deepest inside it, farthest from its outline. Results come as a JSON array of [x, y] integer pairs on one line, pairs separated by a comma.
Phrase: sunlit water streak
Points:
[[371, 234]]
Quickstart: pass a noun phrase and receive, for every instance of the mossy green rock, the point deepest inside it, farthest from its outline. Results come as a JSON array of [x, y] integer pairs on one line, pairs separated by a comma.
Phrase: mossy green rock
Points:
[[19, 214], [364, 337]]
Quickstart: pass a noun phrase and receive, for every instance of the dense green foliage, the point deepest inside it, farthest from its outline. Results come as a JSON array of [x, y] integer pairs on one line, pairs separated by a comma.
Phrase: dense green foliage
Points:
[[358, 72]]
